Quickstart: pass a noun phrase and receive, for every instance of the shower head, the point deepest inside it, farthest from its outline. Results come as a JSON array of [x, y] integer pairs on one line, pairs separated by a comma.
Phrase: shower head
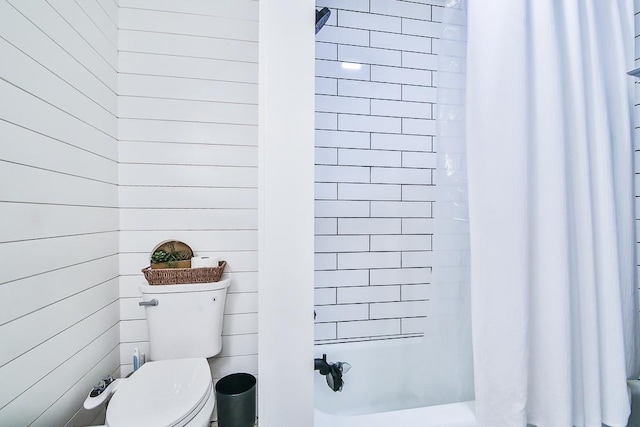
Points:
[[322, 16]]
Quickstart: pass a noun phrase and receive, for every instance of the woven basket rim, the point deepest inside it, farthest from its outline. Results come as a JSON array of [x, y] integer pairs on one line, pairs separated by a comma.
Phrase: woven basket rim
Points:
[[179, 276]]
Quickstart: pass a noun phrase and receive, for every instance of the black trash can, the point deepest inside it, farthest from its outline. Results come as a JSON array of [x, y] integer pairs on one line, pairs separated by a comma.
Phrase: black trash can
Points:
[[236, 400]]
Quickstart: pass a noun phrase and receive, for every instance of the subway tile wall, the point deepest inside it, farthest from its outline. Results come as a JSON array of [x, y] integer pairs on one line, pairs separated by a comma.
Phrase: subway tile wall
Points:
[[375, 167]]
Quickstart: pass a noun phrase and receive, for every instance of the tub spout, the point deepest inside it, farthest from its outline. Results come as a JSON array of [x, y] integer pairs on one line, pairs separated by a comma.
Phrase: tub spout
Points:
[[322, 365], [332, 371]]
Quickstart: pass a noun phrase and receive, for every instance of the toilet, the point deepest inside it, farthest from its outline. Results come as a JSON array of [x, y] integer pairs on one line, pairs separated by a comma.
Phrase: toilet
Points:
[[174, 388]]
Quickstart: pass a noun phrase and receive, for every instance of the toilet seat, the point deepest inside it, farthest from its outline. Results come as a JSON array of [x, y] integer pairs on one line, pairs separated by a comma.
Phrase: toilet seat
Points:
[[167, 393]]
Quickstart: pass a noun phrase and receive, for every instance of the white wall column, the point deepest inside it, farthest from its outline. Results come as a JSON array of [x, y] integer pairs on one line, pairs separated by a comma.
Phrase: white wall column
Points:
[[286, 105]]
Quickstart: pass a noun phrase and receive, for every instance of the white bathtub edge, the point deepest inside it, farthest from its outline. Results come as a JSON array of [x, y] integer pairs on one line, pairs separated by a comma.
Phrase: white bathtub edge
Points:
[[460, 414]]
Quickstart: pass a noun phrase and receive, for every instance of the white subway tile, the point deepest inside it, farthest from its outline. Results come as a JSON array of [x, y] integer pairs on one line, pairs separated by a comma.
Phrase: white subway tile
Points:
[[400, 209], [326, 156], [326, 86], [369, 89], [327, 138], [326, 121], [419, 160], [369, 21], [325, 262], [455, 260], [369, 55], [384, 310], [453, 242], [417, 259], [401, 42], [451, 226], [418, 225], [341, 209], [418, 127], [342, 104], [400, 276], [325, 331], [368, 192], [353, 157], [360, 5], [401, 142], [415, 292], [368, 328], [400, 109], [404, 242], [425, 61], [341, 244], [421, 27], [414, 325], [400, 176], [401, 8], [343, 36], [419, 193], [450, 80], [369, 225], [333, 17], [362, 294], [336, 70], [452, 210], [324, 296], [341, 174], [338, 278], [380, 73], [436, 13], [326, 51], [420, 94], [340, 313], [369, 260], [369, 123], [325, 226], [326, 191]]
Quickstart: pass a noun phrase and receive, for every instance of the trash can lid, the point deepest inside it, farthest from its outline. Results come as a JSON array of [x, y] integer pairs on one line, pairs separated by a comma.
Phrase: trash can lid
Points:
[[162, 394]]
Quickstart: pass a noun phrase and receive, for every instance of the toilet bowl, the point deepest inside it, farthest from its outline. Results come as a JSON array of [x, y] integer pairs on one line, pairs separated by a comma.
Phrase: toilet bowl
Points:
[[166, 393]]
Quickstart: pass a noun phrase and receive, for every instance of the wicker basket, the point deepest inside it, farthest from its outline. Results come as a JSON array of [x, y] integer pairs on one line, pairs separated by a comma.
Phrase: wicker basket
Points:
[[180, 276]]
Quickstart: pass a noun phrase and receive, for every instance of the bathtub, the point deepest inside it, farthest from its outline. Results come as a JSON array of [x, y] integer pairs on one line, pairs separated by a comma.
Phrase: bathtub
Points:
[[409, 382]]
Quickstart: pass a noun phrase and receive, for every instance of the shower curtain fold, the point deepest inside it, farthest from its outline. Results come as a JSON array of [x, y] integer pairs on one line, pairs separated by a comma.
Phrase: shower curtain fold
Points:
[[554, 301]]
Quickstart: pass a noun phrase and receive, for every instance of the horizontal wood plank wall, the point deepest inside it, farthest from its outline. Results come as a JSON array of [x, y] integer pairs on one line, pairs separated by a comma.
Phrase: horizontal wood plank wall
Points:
[[188, 95], [59, 308]]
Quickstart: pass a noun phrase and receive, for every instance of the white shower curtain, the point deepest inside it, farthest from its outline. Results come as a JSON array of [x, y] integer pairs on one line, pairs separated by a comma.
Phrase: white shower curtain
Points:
[[554, 299]]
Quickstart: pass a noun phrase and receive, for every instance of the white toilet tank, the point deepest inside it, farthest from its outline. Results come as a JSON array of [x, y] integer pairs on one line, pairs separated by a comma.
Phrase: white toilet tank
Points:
[[187, 320]]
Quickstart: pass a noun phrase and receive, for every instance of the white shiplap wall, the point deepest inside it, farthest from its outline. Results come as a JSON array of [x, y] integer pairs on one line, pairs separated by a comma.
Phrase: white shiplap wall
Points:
[[188, 86], [375, 163], [59, 207]]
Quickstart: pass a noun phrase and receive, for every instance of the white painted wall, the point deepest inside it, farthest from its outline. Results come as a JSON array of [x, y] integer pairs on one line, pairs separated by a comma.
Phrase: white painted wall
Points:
[[285, 387], [58, 204], [188, 152]]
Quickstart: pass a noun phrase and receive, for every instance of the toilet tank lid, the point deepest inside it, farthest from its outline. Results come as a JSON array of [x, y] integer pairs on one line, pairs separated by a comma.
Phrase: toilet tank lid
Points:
[[160, 393], [188, 287]]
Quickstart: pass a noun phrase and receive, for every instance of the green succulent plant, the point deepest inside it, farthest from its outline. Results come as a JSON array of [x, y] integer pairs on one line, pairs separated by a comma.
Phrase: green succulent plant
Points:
[[170, 257]]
